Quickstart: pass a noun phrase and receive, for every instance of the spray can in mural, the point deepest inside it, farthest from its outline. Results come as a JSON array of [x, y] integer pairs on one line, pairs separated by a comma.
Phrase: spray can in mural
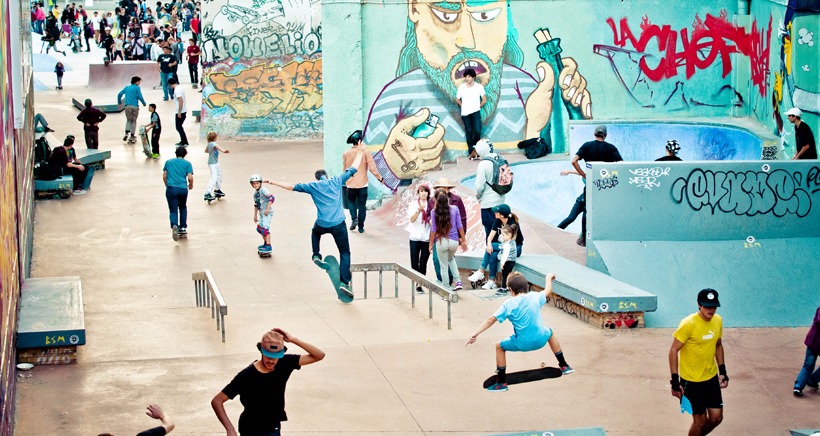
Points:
[[549, 49]]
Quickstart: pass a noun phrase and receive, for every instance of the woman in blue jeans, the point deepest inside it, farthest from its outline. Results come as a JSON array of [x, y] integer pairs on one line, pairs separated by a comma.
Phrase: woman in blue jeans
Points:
[[503, 217], [808, 376], [178, 176]]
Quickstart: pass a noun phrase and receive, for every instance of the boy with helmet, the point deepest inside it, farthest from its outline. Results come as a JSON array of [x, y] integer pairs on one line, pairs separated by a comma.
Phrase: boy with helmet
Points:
[[262, 213], [672, 149]]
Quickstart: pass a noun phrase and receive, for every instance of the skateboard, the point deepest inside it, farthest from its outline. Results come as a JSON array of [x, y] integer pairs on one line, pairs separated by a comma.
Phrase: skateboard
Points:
[[529, 375], [146, 144], [263, 254], [478, 283], [331, 265]]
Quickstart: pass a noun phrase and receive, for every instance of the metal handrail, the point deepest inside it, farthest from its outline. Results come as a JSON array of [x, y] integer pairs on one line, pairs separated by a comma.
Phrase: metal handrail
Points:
[[416, 279], [208, 295]]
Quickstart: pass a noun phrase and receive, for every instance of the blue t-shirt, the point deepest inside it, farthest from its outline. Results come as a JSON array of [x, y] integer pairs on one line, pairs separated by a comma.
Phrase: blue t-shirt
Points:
[[524, 313], [327, 196], [178, 170]]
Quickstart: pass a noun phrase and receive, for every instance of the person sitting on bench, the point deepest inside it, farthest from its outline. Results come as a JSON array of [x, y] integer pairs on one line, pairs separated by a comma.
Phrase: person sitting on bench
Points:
[[63, 160]]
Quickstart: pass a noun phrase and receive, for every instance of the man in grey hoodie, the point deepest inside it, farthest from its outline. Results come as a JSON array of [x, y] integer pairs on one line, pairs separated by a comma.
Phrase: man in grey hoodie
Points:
[[485, 195]]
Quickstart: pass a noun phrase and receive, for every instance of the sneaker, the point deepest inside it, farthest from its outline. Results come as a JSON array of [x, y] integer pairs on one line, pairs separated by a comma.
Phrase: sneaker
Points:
[[354, 224], [361, 229], [813, 385], [125, 138], [218, 193], [566, 369], [476, 276], [501, 291], [458, 286], [419, 290], [498, 387], [490, 284], [80, 192], [267, 248], [581, 241], [345, 289], [209, 197], [320, 263], [48, 129], [175, 233], [155, 156], [183, 230], [260, 247], [798, 392]]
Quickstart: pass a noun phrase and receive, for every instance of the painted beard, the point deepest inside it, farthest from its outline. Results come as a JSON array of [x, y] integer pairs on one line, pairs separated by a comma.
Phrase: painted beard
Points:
[[443, 81]]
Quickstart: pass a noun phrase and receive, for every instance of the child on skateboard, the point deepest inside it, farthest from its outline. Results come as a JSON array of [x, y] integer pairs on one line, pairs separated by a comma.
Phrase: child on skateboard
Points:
[[155, 126], [506, 257], [262, 213], [214, 190], [524, 312]]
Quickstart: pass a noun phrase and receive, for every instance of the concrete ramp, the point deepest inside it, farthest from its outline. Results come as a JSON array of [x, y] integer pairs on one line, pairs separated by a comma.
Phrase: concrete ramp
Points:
[[747, 229], [118, 74]]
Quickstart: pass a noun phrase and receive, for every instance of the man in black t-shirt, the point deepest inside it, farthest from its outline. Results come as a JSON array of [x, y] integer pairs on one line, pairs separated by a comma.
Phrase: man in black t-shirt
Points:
[[167, 63], [261, 385], [804, 145], [593, 151]]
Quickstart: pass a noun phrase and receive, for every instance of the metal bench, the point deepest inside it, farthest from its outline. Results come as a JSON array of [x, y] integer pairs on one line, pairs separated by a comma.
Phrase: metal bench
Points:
[[587, 294], [51, 323]]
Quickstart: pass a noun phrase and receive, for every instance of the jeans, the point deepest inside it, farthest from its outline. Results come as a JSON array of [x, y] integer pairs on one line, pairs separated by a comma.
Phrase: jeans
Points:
[[166, 89], [438, 269], [82, 179], [577, 209], [183, 138], [131, 115], [446, 250], [806, 375], [339, 233], [487, 220], [490, 261], [41, 120], [419, 255], [472, 129], [177, 206], [356, 204], [60, 80], [92, 139]]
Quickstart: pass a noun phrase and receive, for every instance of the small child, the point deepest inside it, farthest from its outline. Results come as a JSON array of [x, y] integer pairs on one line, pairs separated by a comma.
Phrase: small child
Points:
[[156, 129], [59, 69], [262, 213], [119, 51], [524, 313], [214, 190], [76, 45], [507, 255]]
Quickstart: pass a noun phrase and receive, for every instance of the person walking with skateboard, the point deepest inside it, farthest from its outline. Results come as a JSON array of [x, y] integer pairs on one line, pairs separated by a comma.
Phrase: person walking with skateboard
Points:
[[133, 97], [262, 213], [155, 126], [91, 117], [524, 312], [214, 190], [261, 385], [178, 176], [330, 218], [698, 341]]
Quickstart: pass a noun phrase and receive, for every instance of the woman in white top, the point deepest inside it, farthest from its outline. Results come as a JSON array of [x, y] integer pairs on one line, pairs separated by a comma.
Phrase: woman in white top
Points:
[[418, 212]]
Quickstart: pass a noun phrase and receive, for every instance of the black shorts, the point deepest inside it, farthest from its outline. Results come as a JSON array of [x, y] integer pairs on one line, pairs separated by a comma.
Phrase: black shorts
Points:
[[703, 395]]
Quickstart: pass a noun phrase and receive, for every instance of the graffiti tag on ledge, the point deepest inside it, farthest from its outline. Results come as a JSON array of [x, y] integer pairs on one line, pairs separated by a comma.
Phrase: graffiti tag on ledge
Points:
[[744, 193]]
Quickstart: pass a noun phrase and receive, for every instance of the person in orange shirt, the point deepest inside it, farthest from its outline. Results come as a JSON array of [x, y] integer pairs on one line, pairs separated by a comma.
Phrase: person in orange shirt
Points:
[[357, 185]]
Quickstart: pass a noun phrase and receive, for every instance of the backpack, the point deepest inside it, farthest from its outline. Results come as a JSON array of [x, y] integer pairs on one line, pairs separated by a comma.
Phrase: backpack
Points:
[[502, 180], [42, 151], [535, 148]]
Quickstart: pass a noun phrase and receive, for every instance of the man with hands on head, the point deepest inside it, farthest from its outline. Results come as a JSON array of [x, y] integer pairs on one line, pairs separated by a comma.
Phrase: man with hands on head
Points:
[[261, 385]]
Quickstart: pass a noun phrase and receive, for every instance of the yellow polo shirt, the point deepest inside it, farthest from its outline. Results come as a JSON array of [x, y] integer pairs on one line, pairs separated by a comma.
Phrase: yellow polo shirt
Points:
[[699, 337]]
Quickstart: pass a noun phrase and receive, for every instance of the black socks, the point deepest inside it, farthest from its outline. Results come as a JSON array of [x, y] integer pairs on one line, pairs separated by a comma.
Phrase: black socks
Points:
[[560, 356], [502, 374]]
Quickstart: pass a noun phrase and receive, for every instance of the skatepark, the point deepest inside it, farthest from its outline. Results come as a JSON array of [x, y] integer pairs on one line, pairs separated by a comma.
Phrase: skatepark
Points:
[[390, 369]]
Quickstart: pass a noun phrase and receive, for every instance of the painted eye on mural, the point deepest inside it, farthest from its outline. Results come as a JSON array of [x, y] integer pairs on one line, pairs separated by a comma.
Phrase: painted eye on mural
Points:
[[445, 16], [485, 15]]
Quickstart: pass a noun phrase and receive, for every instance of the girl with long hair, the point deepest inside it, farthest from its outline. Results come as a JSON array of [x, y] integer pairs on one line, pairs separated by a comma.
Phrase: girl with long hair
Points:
[[446, 235]]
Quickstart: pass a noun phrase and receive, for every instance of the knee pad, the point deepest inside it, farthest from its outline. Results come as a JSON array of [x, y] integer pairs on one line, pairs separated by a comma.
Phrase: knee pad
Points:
[[262, 231]]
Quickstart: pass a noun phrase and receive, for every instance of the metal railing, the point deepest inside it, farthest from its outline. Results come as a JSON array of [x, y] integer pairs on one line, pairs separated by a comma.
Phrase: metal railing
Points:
[[208, 295], [416, 279]]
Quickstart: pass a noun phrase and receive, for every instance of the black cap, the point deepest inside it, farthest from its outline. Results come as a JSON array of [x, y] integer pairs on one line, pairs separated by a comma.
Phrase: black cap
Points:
[[708, 298], [355, 137]]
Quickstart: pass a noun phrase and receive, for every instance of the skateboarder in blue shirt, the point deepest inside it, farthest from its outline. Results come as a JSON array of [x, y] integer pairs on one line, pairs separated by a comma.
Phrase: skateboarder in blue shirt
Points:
[[330, 218], [524, 312], [178, 176]]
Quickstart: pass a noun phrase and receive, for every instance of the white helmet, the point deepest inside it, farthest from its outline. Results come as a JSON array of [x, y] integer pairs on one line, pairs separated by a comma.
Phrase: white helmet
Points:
[[256, 178]]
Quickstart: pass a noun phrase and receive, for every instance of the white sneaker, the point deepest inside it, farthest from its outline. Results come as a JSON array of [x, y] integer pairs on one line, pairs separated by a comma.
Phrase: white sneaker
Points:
[[476, 276], [79, 192], [489, 285]]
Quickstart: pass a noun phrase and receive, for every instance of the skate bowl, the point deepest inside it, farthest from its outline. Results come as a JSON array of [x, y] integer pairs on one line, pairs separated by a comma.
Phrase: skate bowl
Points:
[[117, 75]]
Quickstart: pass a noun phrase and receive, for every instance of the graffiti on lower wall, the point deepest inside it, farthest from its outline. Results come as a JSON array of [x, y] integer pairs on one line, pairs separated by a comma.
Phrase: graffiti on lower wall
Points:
[[263, 68]]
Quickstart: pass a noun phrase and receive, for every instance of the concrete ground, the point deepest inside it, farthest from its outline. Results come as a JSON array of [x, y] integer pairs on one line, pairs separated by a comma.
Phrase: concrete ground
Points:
[[389, 369]]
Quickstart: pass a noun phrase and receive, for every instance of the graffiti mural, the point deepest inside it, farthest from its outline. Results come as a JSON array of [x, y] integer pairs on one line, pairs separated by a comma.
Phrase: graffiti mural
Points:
[[442, 39], [648, 64], [263, 68]]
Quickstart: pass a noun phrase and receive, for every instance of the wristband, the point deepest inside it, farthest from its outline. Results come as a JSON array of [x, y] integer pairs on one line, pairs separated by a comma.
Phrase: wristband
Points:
[[722, 371], [675, 381]]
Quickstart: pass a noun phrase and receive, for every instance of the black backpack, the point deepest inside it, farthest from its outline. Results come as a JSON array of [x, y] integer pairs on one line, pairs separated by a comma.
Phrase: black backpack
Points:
[[535, 148], [42, 151]]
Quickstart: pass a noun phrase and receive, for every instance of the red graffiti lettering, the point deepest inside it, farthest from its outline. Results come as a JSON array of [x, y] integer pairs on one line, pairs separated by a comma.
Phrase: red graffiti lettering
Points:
[[711, 38]]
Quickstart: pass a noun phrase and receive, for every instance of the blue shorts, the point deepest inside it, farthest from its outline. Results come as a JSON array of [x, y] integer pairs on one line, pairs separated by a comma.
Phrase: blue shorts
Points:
[[529, 343], [264, 220]]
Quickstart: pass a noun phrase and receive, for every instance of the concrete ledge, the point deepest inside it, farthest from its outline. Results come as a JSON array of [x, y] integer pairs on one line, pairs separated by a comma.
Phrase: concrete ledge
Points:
[[589, 431], [94, 157], [118, 74], [197, 115], [110, 108], [51, 316], [60, 187]]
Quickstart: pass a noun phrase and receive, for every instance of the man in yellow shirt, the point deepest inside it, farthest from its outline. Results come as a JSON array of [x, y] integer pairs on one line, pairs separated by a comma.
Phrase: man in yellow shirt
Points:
[[702, 368]]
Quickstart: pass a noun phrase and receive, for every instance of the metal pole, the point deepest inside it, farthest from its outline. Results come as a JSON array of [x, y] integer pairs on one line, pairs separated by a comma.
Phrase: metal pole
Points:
[[223, 327], [397, 282], [365, 284], [412, 293], [430, 304], [380, 283], [449, 318]]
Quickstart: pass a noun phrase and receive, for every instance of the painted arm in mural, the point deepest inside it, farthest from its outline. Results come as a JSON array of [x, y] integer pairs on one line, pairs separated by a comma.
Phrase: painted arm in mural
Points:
[[404, 156], [570, 82]]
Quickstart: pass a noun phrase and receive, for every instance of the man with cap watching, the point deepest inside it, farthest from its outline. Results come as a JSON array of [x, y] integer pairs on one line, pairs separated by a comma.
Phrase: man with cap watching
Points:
[[804, 145], [261, 385], [486, 196], [698, 340], [91, 117], [593, 151], [445, 184], [357, 185]]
